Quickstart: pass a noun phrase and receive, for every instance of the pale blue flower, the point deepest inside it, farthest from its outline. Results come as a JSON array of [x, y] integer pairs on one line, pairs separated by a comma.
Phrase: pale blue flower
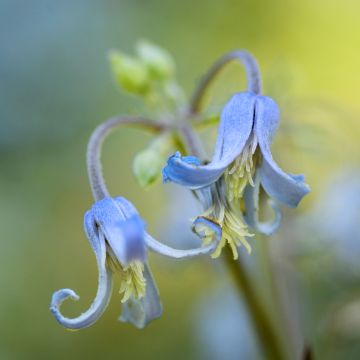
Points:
[[118, 238], [242, 162]]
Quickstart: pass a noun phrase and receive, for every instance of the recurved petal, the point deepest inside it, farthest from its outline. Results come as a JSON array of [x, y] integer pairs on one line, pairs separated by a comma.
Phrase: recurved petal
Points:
[[188, 171], [236, 123], [204, 227], [284, 188], [141, 312], [251, 198], [124, 230], [101, 300], [173, 253]]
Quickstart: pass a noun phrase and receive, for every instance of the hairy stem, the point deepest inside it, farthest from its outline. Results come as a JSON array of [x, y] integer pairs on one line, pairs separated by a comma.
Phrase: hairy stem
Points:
[[252, 72], [96, 178], [262, 323]]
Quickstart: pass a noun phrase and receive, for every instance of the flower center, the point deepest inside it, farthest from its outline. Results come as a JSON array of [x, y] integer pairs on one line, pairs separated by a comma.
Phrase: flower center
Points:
[[242, 170], [225, 209], [228, 218], [132, 281]]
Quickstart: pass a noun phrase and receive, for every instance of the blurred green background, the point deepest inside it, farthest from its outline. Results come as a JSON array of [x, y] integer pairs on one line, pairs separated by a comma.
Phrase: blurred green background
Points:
[[55, 87]]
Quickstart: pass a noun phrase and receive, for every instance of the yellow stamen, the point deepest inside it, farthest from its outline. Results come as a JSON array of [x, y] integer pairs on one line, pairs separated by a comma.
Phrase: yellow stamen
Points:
[[234, 233], [227, 212], [242, 171], [133, 283], [234, 230]]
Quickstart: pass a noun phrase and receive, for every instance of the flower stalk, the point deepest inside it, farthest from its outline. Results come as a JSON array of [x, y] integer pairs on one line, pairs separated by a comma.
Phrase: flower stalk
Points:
[[263, 324], [95, 174], [252, 72]]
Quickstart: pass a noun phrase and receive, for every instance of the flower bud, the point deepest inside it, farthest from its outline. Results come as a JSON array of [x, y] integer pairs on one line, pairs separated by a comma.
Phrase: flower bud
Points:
[[159, 62], [130, 73], [147, 167], [148, 164]]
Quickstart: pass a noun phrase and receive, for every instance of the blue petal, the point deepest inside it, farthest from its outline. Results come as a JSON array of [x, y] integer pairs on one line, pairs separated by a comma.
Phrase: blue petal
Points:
[[285, 188], [101, 300], [235, 127], [141, 312], [208, 223], [172, 253], [251, 215], [125, 235], [127, 208], [236, 123], [190, 160]]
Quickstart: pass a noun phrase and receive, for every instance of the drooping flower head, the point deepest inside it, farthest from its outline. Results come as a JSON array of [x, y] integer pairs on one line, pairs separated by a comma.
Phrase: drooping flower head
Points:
[[228, 187], [117, 236], [242, 162]]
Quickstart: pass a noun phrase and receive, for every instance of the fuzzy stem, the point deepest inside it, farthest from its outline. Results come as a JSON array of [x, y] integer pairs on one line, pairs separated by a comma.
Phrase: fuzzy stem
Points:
[[252, 72], [96, 178]]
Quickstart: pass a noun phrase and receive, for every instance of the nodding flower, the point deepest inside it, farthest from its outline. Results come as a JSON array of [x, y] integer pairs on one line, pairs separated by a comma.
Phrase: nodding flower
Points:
[[118, 238], [228, 186]]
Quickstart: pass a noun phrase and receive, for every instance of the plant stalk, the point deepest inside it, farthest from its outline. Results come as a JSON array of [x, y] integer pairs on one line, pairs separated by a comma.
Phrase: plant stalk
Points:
[[96, 178], [263, 326]]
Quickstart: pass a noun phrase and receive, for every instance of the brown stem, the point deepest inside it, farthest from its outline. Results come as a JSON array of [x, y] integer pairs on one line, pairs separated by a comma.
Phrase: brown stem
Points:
[[263, 326], [308, 353]]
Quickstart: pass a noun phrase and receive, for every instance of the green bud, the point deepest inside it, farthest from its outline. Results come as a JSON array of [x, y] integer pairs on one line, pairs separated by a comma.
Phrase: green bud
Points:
[[148, 164], [159, 62], [130, 73], [147, 167]]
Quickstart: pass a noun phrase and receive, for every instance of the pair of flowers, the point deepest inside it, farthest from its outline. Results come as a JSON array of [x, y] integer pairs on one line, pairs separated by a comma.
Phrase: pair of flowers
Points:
[[228, 188]]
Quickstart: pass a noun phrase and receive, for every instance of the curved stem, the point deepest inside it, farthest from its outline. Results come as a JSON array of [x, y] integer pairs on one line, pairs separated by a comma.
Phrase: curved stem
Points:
[[252, 72], [263, 326], [96, 179]]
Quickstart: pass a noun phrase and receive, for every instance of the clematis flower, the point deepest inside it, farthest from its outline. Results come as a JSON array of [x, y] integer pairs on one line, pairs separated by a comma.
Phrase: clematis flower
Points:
[[228, 186], [118, 238]]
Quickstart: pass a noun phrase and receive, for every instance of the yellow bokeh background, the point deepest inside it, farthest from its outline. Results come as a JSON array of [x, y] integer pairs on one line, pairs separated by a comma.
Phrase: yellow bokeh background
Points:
[[56, 86]]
